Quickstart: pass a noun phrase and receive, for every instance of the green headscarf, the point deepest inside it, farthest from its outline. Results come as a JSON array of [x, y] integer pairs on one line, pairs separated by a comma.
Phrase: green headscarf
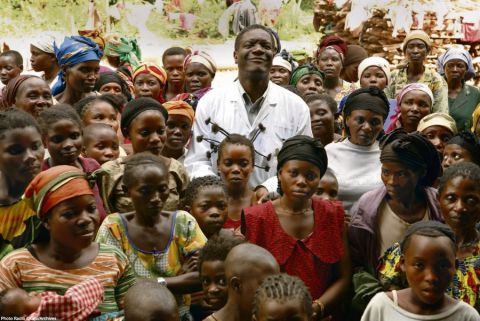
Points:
[[125, 48], [304, 70]]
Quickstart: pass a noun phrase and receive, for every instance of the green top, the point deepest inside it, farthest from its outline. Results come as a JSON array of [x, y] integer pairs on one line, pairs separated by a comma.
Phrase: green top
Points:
[[461, 107]]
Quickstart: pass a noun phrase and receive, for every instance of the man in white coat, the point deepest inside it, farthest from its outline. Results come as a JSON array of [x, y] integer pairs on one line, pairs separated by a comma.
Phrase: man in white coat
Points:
[[251, 106]]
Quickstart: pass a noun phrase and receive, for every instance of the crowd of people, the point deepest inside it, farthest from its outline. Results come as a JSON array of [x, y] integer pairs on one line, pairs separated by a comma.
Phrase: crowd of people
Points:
[[343, 189]]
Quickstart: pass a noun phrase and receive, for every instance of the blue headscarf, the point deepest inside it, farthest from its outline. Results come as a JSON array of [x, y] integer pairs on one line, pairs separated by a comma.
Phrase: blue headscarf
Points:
[[456, 53], [72, 51]]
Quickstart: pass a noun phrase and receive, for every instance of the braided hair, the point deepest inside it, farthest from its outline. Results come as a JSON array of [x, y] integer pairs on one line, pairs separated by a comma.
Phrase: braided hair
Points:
[[198, 184], [282, 287], [427, 228]]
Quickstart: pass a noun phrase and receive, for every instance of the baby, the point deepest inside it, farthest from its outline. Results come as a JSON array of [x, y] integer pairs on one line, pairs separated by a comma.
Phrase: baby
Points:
[[77, 304]]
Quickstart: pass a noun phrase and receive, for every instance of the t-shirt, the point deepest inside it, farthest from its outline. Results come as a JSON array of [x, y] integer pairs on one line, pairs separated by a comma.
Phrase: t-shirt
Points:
[[382, 308]]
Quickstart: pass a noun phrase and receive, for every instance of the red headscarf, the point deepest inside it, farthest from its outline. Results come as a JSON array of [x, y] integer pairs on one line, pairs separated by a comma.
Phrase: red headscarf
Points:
[[333, 42], [55, 185]]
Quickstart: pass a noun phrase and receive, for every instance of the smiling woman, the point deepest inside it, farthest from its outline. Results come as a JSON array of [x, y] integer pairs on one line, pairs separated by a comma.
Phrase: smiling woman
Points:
[[29, 93]]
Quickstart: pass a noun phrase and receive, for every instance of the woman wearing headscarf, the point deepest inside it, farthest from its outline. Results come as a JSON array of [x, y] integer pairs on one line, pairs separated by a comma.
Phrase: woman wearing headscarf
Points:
[[355, 55], [438, 128], [457, 67], [308, 80], [283, 65], [111, 83], [122, 51], [29, 93], [304, 234], [355, 160], [409, 167], [414, 102], [463, 147], [65, 253], [330, 58], [200, 69], [43, 58], [79, 60], [149, 81], [416, 46]]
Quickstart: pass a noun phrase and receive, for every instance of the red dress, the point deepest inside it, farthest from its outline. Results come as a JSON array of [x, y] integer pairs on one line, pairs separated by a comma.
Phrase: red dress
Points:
[[231, 224], [310, 259]]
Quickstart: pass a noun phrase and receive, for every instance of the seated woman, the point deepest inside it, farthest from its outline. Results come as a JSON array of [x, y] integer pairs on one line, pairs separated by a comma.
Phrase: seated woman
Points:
[[65, 253], [456, 66], [355, 161], [144, 124], [459, 198], [463, 147], [79, 60], [149, 81], [29, 93], [308, 80], [410, 165], [200, 69], [159, 244], [304, 234], [413, 103], [22, 156], [439, 128]]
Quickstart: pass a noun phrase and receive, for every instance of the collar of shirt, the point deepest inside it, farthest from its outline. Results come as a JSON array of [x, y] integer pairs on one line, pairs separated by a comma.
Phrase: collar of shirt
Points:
[[253, 108]]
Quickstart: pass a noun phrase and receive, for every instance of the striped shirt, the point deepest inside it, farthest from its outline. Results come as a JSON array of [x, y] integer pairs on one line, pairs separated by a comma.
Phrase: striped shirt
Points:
[[20, 269]]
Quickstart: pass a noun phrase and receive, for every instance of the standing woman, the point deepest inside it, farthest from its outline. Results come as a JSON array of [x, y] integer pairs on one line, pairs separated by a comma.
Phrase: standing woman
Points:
[[416, 47], [281, 69], [457, 67], [79, 60], [149, 81], [308, 80], [304, 234], [110, 82], [355, 55], [409, 166], [43, 58], [330, 57], [144, 124], [122, 51], [355, 161], [21, 157], [414, 102], [64, 254]]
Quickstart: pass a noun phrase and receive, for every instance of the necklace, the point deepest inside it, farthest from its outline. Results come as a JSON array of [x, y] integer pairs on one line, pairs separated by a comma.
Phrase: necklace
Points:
[[284, 209]]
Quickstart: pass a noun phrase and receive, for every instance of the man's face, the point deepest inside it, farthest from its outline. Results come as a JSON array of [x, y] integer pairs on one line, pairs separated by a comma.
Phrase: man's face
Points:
[[255, 52]]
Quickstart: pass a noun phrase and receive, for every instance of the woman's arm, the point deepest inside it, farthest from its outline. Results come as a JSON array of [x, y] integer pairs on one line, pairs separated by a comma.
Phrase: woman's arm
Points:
[[335, 294]]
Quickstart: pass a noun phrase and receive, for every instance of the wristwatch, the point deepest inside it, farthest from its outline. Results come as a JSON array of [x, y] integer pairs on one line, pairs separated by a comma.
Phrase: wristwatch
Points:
[[162, 281]]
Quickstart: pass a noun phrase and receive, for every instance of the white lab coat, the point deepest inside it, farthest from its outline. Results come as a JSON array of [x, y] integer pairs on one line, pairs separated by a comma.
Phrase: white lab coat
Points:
[[283, 114]]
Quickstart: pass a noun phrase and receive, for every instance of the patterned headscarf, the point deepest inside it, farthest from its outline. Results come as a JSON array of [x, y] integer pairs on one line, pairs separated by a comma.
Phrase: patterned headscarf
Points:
[[72, 51], [125, 48], [202, 58], [8, 99], [95, 35], [151, 69], [44, 42], [179, 107], [303, 70], [55, 185], [333, 42], [456, 53]]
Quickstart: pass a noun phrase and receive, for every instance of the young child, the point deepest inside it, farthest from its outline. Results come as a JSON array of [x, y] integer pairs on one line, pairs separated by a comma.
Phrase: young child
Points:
[[211, 266], [78, 302], [148, 300], [246, 266], [100, 109], [328, 187], [282, 297], [428, 261], [11, 65], [100, 142], [206, 200], [236, 160], [62, 135]]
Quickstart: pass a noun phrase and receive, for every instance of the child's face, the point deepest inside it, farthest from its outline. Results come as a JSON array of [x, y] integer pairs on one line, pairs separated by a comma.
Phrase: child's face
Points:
[[214, 284], [64, 142], [8, 69], [460, 203], [210, 209], [179, 130], [327, 188], [103, 113], [17, 302], [429, 264], [273, 310], [235, 164], [102, 145]]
